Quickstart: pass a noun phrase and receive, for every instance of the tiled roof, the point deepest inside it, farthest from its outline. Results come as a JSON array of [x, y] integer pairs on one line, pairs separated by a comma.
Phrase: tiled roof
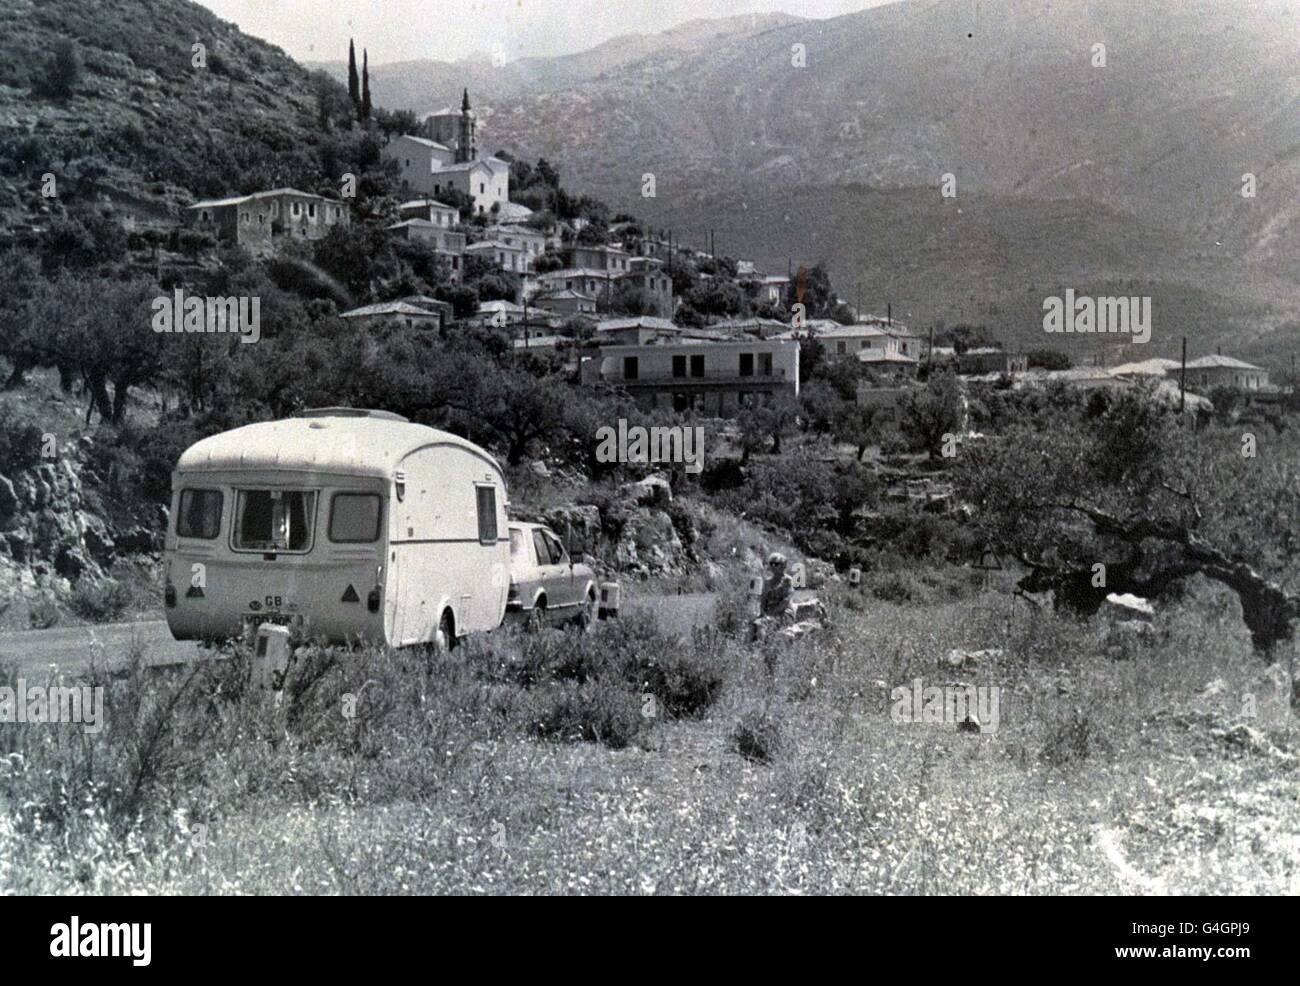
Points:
[[386, 308], [1221, 362], [273, 193]]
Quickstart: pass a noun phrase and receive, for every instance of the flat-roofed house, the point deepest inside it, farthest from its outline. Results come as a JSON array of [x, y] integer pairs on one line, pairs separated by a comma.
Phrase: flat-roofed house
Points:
[[1208, 372], [256, 221], [716, 378], [869, 343], [990, 359], [636, 330], [770, 288]]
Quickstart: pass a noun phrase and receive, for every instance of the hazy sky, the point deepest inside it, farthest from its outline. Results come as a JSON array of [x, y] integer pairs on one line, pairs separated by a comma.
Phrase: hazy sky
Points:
[[397, 30]]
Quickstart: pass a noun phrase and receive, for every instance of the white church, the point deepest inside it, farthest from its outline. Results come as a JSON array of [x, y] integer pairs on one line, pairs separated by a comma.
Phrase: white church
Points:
[[448, 158]]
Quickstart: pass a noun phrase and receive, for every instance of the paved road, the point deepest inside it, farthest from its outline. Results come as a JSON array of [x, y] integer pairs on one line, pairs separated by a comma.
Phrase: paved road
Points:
[[75, 648]]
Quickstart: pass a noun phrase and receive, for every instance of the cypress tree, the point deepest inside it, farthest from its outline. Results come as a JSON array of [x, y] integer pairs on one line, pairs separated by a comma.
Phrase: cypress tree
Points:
[[354, 90], [365, 84]]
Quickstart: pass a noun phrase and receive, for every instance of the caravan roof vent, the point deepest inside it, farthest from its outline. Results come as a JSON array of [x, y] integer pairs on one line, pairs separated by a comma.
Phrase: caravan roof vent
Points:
[[349, 412]]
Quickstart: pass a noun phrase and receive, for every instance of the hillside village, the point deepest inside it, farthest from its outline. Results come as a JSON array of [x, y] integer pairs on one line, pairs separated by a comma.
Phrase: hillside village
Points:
[[600, 297]]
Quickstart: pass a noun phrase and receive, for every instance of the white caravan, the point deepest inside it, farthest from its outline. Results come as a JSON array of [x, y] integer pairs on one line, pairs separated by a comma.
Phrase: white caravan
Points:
[[341, 524]]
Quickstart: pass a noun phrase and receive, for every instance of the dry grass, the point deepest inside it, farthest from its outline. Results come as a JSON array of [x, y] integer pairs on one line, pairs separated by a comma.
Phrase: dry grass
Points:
[[1104, 776]]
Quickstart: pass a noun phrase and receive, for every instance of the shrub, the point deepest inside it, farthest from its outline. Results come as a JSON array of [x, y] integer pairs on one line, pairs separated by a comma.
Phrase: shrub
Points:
[[63, 71], [100, 602], [757, 736], [1072, 739], [895, 587], [20, 441], [43, 612]]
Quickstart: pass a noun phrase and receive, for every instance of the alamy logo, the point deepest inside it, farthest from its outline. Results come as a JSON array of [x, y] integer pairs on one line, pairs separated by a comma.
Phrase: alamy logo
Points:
[[54, 703], [651, 445], [951, 704], [1098, 315], [75, 940], [203, 314]]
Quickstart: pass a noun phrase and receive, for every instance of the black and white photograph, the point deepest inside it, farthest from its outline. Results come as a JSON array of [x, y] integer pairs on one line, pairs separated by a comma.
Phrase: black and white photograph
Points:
[[650, 447]]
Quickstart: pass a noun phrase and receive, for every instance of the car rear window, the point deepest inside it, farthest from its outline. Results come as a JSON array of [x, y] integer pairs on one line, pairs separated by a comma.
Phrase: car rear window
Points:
[[200, 514], [354, 518]]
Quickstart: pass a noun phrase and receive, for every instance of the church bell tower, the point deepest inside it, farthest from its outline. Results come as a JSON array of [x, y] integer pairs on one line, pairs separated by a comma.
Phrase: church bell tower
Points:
[[465, 148]]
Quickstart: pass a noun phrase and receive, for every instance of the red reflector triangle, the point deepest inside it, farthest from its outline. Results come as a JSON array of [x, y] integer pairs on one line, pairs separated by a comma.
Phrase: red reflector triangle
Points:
[[350, 596]]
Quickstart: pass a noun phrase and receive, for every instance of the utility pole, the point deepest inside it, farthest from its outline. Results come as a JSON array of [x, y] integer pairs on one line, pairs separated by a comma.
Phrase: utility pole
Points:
[[929, 356], [1182, 380], [889, 314]]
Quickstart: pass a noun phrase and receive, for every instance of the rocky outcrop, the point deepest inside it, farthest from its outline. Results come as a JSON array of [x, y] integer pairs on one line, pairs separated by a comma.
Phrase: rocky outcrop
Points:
[[52, 534], [45, 524], [640, 531]]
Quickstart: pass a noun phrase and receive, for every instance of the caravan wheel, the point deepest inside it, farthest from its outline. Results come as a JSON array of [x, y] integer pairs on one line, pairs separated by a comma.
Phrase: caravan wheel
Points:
[[444, 640]]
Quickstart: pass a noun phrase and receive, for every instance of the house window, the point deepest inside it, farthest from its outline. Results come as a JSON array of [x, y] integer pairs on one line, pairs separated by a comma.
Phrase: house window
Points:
[[765, 364], [296, 209], [746, 364], [681, 402], [697, 365], [841, 348], [630, 368], [482, 188], [205, 216], [679, 366], [745, 398], [311, 210]]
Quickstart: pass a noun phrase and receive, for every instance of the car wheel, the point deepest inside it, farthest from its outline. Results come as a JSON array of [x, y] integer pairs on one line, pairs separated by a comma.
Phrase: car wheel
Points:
[[445, 637], [587, 615], [537, 616]]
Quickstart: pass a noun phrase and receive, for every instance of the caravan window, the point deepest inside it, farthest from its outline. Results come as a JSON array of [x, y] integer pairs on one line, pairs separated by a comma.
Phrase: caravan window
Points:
[[354, 518], [274, 520], [487, 514], [200, 514]]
